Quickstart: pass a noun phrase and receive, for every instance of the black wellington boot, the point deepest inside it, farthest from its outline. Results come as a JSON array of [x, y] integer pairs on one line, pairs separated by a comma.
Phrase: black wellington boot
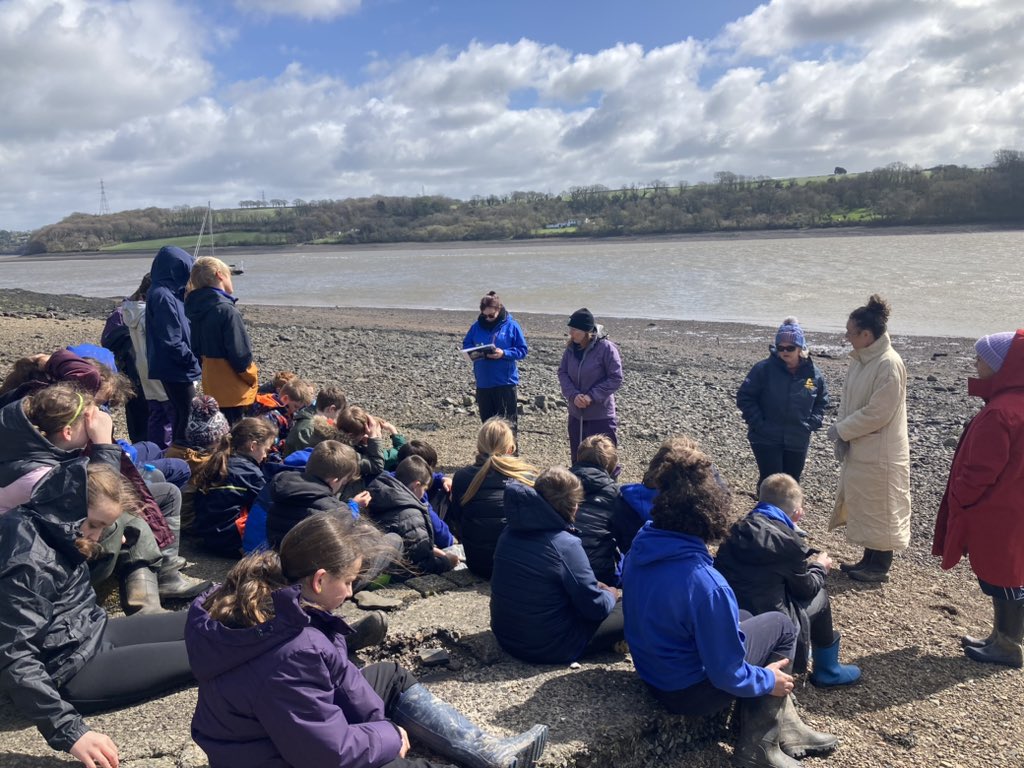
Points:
[[969, 641], [875, 569], [1006, 648], [757, 745], [847, 567]]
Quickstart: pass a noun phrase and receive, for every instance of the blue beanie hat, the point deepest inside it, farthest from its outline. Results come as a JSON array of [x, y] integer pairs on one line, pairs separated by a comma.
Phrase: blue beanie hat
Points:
[[790, 332], [993, 348]]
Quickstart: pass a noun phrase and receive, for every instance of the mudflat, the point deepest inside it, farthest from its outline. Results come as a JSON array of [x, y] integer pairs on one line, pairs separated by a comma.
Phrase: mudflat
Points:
[[920, 701]]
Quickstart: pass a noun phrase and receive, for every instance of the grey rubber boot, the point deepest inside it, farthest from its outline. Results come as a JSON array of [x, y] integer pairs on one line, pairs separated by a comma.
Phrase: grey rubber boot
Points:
[[797, 739], [446, 731], [174, 584], [758, 743], [139, 592], [875, 569], [1006, 648], [968, 641]]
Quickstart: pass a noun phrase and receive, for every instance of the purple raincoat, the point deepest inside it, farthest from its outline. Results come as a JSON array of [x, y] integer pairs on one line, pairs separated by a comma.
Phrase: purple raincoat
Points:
[[597, 372], [284, 693]]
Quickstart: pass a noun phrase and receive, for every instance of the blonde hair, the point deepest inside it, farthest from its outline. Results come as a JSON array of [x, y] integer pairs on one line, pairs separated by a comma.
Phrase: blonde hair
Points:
[[102, 481], [205, 273], [299, 391], [599, 450], [495, 442], [55, 407], [782, 491]]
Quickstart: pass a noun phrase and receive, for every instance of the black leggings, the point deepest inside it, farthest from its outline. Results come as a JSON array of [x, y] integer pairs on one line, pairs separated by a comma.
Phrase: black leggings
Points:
[[179, 395], [138, 658], [610, 631], [769, 637], [389, 681]]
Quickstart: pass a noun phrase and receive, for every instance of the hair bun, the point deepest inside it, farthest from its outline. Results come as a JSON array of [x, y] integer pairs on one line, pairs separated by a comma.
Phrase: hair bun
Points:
[[879, 306]]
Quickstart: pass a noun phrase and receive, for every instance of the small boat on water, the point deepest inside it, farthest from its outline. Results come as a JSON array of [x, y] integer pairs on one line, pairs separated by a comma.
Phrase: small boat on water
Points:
[[207, 228]]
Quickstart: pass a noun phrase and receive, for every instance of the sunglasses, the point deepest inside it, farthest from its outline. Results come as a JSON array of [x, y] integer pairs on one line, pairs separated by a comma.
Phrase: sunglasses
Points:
[[790, 348]]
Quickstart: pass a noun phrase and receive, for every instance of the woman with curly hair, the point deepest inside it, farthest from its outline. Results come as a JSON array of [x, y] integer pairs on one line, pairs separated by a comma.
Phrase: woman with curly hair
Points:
[[690, 643]]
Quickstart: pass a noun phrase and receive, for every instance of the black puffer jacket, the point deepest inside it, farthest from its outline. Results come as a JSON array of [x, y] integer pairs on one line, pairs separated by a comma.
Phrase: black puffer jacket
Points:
[[595, 521], [478, 523], [293, 498], [765, 563], [396, 510], [50, 624]]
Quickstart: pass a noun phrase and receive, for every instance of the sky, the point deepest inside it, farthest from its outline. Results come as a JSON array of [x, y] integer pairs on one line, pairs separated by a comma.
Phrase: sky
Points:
[[180, 102]]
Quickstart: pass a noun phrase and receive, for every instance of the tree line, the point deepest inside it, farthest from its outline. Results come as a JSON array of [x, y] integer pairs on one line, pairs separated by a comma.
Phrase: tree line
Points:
[[897, 194]]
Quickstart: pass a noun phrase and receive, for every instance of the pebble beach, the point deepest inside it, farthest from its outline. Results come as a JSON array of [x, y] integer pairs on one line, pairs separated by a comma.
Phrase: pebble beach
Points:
[[920, 702]]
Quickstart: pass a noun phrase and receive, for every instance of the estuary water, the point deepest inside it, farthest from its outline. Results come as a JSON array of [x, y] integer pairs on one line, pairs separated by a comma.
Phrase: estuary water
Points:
[[940, 284]]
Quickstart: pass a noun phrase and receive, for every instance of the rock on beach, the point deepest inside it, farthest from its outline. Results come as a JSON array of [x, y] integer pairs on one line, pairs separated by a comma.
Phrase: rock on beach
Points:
[[921, 702]]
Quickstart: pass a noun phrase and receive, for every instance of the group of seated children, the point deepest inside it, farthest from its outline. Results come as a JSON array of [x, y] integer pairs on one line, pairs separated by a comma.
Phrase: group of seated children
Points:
[[576, 563]]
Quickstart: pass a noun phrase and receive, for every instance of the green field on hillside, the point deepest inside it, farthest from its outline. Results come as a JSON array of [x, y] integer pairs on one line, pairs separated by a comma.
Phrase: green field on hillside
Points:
[[220, 240]]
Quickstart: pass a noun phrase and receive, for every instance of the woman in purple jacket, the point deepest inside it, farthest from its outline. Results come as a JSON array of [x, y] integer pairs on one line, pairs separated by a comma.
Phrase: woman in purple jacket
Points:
[[590, 374], [276, 686]]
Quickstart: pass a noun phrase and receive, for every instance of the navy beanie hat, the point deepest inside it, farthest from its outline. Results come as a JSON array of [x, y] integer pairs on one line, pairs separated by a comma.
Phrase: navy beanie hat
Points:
[[993, 348], [790, 332], [582, 320]]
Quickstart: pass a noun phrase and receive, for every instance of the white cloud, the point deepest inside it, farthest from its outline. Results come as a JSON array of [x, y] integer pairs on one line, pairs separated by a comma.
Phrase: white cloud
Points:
[[319, 10], [797, 87]]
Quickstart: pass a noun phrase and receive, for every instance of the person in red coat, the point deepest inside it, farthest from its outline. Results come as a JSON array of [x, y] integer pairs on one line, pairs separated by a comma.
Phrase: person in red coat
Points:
[[982, 513]]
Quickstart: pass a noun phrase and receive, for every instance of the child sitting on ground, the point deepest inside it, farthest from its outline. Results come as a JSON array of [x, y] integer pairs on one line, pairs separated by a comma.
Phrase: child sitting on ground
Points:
[[602, 513], [367, 434], [330, 401], [437, 496], [547, 607], [770, 568], [396, 506], [294, 496], [276, 686], [227, 484]]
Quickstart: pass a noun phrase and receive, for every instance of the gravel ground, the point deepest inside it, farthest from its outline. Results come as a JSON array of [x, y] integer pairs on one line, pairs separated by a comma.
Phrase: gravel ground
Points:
[[920, 702]]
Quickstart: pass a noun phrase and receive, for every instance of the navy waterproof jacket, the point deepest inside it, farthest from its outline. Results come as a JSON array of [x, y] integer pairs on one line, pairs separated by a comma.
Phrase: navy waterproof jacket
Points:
[[219, 506], [782, 409], [545, 601], [168, 337]]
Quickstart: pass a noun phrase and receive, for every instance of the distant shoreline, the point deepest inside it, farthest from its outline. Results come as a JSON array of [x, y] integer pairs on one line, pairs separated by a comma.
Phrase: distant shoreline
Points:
[[761, 234]]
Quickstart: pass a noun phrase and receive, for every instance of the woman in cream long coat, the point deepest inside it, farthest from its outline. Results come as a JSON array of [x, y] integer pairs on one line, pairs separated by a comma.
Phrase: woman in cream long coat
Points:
[[870, 436]]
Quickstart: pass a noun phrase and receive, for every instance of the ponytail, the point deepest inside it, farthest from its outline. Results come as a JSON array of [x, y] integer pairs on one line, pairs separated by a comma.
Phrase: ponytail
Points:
[[245, 598], [215, 469]]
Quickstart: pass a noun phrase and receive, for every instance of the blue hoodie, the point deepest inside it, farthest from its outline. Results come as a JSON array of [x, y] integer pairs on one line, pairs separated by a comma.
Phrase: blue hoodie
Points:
[[682, 621], [545, 601], [168, 337]]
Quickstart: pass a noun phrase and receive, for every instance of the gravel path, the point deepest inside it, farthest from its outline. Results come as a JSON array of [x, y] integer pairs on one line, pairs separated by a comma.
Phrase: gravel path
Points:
[[920, 702]]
